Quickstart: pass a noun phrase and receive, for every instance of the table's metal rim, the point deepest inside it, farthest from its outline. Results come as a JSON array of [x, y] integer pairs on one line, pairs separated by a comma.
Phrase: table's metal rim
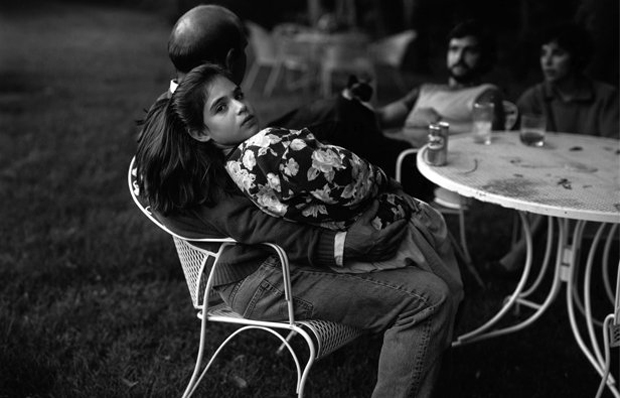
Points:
[[429, 172]]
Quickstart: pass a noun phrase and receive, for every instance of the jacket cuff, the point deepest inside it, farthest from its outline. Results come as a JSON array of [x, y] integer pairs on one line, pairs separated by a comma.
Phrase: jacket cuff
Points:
[[324, 256], [339, 247]]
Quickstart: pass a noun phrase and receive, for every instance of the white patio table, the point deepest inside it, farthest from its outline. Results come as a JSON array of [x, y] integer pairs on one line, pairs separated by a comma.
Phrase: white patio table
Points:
[[573, 180]]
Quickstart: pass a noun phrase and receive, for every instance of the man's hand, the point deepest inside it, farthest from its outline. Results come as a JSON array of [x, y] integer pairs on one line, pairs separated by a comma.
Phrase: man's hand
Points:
[[365, 243], [396, 188], [415, 129]]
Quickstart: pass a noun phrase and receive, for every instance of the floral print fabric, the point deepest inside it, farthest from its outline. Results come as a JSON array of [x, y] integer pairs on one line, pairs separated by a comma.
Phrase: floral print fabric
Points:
[[289, 174]]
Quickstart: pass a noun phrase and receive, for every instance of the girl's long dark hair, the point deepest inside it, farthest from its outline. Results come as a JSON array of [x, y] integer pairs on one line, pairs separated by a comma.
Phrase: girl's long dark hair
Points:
[[176, 171]]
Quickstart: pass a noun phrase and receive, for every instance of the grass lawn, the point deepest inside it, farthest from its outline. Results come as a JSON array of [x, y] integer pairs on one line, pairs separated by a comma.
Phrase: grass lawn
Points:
[[92, 300]]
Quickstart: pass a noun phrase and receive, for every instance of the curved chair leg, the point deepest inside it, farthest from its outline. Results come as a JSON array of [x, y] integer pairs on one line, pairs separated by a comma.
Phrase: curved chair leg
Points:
[[312, 354], [193, 381], [301, 376]]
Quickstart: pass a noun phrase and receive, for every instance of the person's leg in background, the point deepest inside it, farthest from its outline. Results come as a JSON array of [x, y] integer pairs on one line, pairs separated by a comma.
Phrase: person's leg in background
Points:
[[513, 261]]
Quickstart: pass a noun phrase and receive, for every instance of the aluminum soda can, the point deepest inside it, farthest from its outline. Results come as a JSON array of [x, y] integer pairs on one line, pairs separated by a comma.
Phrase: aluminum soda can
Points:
[[437, 149]]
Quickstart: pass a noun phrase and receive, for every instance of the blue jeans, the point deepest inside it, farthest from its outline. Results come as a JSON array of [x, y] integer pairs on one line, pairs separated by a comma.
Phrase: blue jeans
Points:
[[411, 306]]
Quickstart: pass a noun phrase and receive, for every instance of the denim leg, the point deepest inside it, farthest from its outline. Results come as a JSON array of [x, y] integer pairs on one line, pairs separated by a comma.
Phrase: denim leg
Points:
[[411, 306]]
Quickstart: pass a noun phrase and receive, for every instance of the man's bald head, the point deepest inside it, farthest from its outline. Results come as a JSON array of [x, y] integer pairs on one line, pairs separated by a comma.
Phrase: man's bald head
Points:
[[208, 33]]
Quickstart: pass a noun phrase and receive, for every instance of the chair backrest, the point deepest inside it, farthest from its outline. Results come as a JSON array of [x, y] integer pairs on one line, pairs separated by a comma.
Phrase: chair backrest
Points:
[[293, 52], [197, 262], [342, 54], [347, 51], [391, 50], [262, 43], [511, 114]]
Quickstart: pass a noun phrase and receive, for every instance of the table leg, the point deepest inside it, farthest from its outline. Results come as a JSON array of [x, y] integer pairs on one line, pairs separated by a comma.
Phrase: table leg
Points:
[[611, 237], [546, 260], [518, 297], [568, 246]]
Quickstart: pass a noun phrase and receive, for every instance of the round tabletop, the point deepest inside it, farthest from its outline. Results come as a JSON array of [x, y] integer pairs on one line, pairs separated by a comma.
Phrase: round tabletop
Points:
[[571, 176]]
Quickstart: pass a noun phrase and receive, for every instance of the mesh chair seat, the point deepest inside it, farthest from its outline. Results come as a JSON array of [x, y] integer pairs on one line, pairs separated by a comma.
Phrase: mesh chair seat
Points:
[[390, 51], [328, 336]]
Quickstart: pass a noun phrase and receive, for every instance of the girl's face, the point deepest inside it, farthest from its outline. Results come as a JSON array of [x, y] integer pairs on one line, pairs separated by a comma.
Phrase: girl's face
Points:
[[228, 117], [555, 62]]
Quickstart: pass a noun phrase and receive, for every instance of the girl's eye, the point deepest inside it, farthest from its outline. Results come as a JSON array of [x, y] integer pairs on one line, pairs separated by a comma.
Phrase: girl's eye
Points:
[[239, 95], [220, 108]]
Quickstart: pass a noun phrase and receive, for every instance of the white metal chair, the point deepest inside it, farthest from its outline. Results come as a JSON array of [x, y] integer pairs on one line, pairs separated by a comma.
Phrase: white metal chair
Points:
[[264, 52], [611, 323], [611, 339], [273, 52], [390, 51], [448, 203], [199, 263]]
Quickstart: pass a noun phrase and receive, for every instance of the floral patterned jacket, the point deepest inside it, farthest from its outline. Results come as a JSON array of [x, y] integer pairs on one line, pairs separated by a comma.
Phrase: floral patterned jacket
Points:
[[289, 174]]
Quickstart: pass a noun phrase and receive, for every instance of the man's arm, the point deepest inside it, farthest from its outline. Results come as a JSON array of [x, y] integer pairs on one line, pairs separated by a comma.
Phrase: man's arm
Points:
[[394, 114], [365, 243], [237, 217], [416, 126]]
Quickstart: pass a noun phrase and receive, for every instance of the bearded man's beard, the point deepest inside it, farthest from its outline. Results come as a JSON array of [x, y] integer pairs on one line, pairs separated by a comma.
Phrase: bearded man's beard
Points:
[[470, 75]]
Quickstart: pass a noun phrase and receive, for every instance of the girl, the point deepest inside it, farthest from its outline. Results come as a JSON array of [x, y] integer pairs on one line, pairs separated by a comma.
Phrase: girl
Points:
[[288, 173]]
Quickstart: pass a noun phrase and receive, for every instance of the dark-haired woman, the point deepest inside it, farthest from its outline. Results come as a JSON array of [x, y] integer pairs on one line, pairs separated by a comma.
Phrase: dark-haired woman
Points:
[[570, 100]]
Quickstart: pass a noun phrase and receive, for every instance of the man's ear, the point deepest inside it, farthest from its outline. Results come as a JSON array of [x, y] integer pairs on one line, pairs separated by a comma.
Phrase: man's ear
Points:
[[235, 64], [231, 56], [200, 135]]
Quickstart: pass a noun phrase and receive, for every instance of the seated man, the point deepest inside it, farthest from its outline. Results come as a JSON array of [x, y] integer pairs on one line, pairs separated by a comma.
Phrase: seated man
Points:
[[471, 54], [416, 320], [214, 34]]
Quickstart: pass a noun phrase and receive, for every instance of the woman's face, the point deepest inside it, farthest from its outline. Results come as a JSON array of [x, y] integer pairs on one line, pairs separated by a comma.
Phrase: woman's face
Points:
[[228, 117], [555, 62]]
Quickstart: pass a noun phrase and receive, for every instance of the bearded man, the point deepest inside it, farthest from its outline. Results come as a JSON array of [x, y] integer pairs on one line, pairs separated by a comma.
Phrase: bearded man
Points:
[[470, 55]]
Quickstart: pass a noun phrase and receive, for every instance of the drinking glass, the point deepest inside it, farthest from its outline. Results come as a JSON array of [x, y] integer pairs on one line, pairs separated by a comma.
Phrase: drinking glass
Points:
[[482, 116], [533, 129]]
